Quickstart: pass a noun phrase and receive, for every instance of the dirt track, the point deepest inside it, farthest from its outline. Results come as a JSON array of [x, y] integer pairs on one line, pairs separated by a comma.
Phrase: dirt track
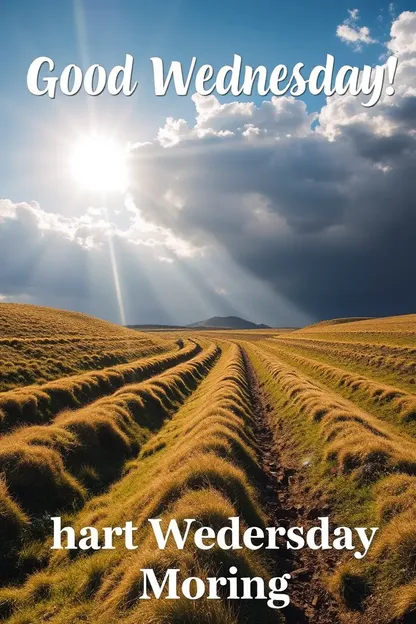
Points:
[[282, 489]]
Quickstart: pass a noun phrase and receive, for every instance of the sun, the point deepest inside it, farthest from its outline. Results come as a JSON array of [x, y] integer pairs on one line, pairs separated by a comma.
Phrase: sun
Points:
[[98, 163]]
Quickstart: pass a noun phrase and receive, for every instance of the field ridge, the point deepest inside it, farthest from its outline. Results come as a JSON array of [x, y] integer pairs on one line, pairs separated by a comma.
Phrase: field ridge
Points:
[[277, 427]]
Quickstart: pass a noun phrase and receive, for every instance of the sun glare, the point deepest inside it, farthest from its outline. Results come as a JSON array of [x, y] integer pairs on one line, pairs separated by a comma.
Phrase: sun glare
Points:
[[98, 163]]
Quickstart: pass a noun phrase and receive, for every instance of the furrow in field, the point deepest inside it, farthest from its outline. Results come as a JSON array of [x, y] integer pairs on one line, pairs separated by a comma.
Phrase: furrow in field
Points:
[[50, 468], [310, 600], [365, 468], [395, 365], [386, 401], [202, 464], [39, 404], [37, 359], [22, 365], [357, 441], [405, 353]]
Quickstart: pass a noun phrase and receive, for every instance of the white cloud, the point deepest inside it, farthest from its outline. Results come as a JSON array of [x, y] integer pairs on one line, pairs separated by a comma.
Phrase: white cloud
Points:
[[274, 118], [92, 229], [352, 34], [403, 35], [392, 115], [173, 131], [87, 230]]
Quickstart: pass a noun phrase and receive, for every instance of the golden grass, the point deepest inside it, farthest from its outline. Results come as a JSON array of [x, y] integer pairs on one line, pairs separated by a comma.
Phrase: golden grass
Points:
[[53, 467], [388, 573], [171, 435], [30, 321], [391, 364], [38, 404], [356, 440], [380, 462], [13, 522], [404, 601], [40, 344], [391, 566], [399, 329], [179, 473], [395, 495], [374, 394], [400, 323]]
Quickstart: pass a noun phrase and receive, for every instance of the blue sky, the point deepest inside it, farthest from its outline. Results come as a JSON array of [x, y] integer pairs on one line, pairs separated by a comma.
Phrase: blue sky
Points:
[[103, 31], [253, 208]]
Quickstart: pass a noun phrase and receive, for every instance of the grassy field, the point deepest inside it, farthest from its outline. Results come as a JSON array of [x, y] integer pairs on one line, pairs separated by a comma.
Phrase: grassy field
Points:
[[40, 344], [276, 427]]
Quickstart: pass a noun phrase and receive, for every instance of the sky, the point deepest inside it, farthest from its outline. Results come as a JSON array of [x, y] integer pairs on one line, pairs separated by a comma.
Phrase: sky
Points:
[[281, 210]]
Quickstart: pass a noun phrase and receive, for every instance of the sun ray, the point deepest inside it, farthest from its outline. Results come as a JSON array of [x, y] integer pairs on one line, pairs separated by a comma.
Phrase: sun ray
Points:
[[116, 277]]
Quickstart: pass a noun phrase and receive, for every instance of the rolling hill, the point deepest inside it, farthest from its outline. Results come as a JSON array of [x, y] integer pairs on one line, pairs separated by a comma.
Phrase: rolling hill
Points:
[[39, 344], [276, 428], [391, 329]]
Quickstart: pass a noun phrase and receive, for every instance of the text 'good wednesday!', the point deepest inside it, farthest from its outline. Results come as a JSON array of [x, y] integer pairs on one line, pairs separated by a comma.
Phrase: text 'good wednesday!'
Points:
[[236, 79]]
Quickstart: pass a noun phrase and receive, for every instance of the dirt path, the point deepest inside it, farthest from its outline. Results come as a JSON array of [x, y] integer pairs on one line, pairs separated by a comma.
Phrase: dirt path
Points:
[[286, 502]]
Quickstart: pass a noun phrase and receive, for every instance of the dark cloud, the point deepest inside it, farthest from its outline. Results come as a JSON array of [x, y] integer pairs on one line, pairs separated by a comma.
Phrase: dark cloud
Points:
[[335, 244], [325, 216]]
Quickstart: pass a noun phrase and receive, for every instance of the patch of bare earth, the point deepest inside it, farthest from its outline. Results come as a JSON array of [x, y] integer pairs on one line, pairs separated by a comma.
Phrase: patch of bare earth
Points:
[[288, 502]]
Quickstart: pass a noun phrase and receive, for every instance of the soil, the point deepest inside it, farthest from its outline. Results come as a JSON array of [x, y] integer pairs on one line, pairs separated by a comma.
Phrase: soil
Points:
[[288, 502]]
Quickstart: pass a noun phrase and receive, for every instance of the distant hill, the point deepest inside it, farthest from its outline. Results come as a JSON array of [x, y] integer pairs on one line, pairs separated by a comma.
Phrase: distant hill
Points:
[[228, 322]]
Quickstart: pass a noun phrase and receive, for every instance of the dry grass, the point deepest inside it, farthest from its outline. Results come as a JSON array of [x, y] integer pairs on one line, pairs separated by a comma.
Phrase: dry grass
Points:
[[382, 398], [54, 467], [39, 404], [171, 435], [356, 440], [391, 566], [391, 329], [385, 581], [180, 473], [40, 344], [370, 457], [388, 363]]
